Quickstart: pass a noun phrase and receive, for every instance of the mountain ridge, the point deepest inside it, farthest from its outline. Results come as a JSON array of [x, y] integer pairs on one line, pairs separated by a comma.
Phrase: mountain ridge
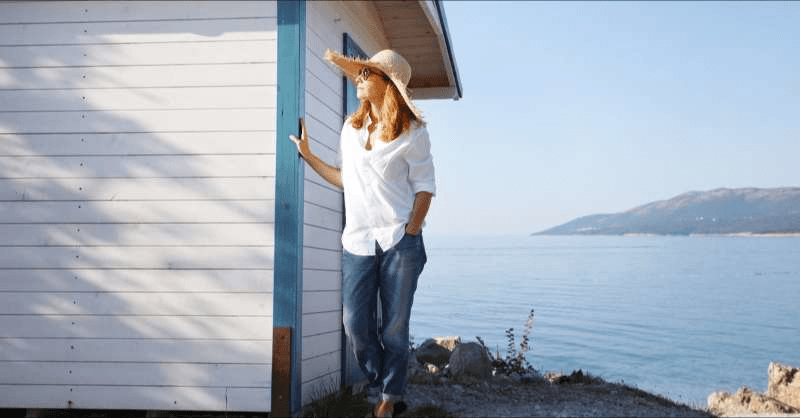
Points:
[[719, 211]]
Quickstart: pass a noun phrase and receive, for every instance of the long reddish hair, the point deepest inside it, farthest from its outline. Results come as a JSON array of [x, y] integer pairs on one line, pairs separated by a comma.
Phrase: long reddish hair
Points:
[[396, 116]]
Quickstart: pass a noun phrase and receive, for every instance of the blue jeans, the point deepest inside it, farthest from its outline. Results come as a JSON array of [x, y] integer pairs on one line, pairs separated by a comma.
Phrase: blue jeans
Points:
[[381, 349]]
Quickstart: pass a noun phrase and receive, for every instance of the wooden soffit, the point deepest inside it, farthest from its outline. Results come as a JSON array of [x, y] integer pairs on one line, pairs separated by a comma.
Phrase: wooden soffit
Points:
[[418, 31]]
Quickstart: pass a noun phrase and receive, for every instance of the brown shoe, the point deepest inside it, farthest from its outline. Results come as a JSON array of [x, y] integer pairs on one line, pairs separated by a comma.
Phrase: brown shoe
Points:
[[384, 409], [389, 409]]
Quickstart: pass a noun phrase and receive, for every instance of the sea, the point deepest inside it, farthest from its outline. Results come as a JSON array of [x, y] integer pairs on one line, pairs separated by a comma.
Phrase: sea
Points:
[[679, 316]]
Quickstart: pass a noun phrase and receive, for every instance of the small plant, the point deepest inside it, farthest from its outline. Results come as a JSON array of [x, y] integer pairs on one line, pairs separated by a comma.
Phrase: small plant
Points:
[[341, 403], [515, 360]]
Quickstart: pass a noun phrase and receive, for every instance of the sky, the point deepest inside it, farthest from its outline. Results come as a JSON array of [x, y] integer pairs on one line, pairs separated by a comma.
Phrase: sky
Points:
[[577, 108]]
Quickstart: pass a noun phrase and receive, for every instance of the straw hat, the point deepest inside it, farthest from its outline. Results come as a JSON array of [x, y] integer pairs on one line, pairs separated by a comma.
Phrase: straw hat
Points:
[[388, 62]]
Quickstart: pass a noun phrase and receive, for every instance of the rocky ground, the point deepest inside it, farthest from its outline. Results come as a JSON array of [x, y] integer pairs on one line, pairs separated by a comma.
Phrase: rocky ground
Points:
[[464, 380], [781, 399], [576, 395]]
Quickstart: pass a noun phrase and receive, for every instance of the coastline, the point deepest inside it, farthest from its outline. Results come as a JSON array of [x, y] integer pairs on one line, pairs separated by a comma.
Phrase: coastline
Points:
[[730, 234], [755, 234]]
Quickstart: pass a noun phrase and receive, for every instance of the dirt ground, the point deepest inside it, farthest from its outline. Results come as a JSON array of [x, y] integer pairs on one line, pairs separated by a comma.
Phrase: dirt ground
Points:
[[501, 397]]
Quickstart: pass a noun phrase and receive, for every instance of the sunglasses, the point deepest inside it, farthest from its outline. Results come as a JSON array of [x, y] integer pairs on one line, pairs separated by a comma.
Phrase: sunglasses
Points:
[[366, 72]]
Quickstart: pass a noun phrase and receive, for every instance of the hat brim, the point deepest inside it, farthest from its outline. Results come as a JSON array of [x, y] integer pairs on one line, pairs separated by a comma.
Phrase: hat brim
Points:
[[351, 67]]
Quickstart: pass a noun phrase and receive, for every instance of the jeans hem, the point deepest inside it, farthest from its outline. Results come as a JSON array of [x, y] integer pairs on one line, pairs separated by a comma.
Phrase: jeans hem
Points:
[[391, 398]]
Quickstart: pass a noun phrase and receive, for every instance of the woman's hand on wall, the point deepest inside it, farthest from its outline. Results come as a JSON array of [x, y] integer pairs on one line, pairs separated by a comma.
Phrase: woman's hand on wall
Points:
[[331, 174], [302, 143]]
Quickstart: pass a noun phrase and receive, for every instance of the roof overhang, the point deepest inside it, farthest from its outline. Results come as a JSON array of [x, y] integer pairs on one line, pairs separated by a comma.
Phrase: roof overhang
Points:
[[418, 31]]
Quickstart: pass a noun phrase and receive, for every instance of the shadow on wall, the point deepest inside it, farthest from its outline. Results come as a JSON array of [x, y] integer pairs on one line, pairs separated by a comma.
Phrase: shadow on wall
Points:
[[136, 200]]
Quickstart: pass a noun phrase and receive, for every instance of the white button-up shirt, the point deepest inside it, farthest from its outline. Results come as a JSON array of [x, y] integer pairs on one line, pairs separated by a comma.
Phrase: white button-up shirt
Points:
[[380, 185]]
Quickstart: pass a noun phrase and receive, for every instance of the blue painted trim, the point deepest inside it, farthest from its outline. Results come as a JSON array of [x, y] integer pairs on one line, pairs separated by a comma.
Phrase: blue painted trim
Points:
[[449, 44], [350, 102], [289, 175]]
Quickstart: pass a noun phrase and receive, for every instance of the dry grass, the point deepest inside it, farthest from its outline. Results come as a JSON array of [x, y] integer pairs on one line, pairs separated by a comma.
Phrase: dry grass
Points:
[[345, 403]]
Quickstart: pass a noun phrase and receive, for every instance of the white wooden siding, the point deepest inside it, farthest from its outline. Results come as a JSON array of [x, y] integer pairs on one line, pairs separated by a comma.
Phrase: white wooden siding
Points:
[[326, 24], [137, 147]]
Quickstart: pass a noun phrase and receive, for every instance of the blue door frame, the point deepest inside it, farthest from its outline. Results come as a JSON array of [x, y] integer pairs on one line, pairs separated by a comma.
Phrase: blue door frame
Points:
[[289, 175]]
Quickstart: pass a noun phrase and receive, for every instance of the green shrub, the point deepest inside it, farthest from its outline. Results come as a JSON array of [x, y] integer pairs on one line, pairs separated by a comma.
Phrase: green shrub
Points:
[[515, 360]]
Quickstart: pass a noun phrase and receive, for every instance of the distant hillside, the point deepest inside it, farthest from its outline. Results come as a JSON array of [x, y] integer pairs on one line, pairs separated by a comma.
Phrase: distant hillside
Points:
[[720, 211]]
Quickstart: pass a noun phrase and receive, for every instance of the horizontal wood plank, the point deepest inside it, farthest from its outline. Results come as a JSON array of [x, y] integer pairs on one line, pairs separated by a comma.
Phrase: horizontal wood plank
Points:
[[139, 351], [136, 398], [314, 236], [321, 386], [139, 280], [315, 258], [135, 374], [137, 166], [151, 98], [135, 212], [324, 365], [154, 122], [126, 235], [325, 93], [146, 143], [325, 139], [317, 345], [323, 217], [137, 327], [143, 31], [321, 280], [84, 11], [150, 303], [236, 188], [317, 301], [92, 55], [321, 323], [97, 77], [323, 195], [359, 19], [114, 257], [320, 68], [325, 113]]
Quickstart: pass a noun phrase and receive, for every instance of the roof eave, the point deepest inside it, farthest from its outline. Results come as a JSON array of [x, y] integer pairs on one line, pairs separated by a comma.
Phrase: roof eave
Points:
[[428, 93], [436, 17]]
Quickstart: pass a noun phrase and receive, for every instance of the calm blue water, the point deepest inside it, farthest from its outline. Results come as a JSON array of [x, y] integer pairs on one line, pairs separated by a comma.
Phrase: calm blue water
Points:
[[678, 316]]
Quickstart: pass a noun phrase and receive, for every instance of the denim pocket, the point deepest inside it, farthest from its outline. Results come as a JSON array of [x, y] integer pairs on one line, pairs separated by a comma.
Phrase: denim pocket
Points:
[[412, 246], [409, 240]]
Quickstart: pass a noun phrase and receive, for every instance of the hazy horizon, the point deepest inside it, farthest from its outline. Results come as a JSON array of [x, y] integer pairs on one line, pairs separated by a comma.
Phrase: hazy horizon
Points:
[[605, 106]]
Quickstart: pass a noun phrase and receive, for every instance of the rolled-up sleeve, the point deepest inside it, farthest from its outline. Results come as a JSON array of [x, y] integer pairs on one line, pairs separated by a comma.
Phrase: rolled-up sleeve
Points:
[[421, 173]]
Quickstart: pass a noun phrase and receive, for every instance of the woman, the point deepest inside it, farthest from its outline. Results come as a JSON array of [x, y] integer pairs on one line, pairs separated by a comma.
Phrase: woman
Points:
[[387, 174]]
